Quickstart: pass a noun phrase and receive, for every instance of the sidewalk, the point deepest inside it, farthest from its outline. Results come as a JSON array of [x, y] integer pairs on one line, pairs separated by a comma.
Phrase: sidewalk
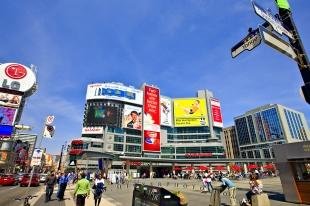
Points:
[[68, 199]]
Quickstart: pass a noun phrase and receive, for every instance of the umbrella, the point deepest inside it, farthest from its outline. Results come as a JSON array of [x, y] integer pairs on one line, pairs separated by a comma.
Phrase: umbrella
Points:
[[189, 168], [177, 168], [269, 166], [203, 168], [252, 166], [236, 168], [219, 167]]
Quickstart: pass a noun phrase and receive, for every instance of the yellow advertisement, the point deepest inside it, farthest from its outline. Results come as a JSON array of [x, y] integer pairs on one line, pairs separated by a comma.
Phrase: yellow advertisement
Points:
[[190, 112]]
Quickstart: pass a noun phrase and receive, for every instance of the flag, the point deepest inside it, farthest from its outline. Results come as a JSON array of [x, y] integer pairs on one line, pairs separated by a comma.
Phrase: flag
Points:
[[48, 131]]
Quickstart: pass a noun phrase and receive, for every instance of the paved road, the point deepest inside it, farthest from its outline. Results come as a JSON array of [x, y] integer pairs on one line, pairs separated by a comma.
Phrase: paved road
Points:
[[9, 193], [115, 196]]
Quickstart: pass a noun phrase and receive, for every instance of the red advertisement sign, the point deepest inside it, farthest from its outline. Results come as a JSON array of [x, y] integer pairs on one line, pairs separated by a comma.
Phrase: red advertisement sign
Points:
[[216, 113], [151, 119]]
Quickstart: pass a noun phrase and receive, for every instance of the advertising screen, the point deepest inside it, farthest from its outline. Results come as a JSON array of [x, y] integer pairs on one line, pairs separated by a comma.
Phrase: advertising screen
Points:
[[10, 100], [20, 150], [190, 112], [6, 130], [151, 119], [132, 117], [7, 115], [114, 91], [165, 111], [216, 113], [98, 115]]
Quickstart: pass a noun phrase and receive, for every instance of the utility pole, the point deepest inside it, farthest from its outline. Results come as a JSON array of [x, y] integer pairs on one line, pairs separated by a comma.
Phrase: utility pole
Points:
[[302, 58], [60, 159]]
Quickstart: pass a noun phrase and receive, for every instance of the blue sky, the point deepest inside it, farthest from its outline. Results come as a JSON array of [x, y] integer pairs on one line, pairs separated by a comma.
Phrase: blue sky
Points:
[[179, 45]]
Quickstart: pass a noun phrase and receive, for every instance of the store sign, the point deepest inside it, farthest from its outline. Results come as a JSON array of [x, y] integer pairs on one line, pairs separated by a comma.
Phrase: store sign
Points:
[[16, 77], [114, 91], [194, 155], [92, 130], [151, 119]]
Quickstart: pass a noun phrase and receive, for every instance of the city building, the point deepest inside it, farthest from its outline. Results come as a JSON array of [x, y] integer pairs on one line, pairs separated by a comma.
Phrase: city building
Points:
[[231, 142], [115, 129], [259, 129]]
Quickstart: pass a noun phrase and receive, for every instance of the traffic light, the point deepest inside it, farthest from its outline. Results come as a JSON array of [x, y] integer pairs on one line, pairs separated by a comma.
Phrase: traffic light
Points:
[[283, 4]]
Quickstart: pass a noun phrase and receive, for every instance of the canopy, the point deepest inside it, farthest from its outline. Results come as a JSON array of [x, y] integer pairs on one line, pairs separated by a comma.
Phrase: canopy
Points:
[[219, 167], [252, 166], [202, 168], [236, 168]]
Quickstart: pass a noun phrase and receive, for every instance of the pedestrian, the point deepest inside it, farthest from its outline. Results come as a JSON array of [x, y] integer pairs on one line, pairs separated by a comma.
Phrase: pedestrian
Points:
[[227, 183], [209, 182], [98, 189], [50, 183], [62, 184], [82, 190], [256, 187]]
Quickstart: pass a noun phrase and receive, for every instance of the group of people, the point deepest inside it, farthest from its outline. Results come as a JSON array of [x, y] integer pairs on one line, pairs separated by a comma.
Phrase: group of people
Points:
[[255, 186], [82, 188]]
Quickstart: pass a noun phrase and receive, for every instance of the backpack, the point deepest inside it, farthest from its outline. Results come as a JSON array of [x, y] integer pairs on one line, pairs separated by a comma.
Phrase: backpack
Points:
[[99, 188]]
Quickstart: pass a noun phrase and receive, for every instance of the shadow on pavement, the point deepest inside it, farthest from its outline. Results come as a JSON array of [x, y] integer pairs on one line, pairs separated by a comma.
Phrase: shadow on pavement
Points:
[[277, 197]]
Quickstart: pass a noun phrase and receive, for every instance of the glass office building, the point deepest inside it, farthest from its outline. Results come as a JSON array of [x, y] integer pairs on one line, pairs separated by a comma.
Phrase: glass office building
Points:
[[257, 130]]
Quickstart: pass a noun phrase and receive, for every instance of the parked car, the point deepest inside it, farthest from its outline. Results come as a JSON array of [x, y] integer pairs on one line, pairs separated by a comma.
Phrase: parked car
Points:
[[43, 177], [26, 178], [8, 179], [20, 176]]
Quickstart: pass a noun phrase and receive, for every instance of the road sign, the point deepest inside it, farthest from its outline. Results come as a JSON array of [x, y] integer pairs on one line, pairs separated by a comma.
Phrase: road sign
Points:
[[251, 41], [72, 163], [277, 43], [274, 22], [49, 119]]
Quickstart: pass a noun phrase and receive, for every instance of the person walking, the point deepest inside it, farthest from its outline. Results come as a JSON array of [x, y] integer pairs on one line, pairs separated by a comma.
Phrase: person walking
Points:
[[227, 183], [50, 183], [82, 190], [62, 185], [98, 189]]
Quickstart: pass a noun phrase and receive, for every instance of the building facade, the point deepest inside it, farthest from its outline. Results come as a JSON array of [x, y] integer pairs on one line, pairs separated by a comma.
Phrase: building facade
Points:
[[259, 129], [231, 142], [113, 124]]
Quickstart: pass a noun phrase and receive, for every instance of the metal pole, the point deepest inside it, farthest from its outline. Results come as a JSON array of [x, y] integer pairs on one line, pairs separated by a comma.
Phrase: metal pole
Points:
[[59, 165]]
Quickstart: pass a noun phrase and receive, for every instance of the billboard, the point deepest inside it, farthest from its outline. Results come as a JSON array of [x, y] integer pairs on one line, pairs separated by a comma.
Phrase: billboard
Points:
[[216, 112], [132, 117], [7, 115], [151, 119], [21, 150], [17, 77], [98, 115], [165, 111], [114, 91], [37, 157], [10, 100], [6, 130], [191, 112]]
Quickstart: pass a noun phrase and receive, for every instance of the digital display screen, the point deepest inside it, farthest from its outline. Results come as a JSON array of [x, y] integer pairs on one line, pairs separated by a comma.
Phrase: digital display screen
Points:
[[99, 115], [6, 130], [7, 115]]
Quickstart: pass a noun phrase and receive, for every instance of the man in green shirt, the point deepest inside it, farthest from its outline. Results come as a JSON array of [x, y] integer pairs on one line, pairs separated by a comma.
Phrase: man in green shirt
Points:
[[82, 190]]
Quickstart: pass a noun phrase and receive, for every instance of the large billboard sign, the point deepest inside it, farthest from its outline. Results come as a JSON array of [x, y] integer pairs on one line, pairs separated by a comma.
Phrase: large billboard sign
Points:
[[7, 115], [10, 100], [191, 112], [132, 118], [99, 114], [216, 112], [16, 77], [151, 119], [165, 111], [114, 91]]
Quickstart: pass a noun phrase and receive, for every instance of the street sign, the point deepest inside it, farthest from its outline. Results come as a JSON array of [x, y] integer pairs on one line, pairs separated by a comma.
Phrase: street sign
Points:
[[277, 43], [72, 163], [274, 22], [249, 42], [49, 119]]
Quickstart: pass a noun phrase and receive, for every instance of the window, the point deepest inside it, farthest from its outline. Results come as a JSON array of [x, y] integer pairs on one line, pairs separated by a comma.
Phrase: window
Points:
[[136, 140], [133, 148], [118, 147], [266, 153], [118, 138]]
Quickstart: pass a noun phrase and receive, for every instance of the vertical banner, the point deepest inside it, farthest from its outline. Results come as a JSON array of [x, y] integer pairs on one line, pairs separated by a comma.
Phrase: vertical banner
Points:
[[151, 119], [216, 112], [36, 157]]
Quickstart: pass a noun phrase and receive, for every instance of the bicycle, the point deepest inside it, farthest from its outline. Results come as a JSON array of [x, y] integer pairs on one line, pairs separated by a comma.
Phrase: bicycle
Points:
[[26, 199]]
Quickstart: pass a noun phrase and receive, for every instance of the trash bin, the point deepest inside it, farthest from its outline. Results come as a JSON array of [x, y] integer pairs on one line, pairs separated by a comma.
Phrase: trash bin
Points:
[[146, 195], [215, 199]]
